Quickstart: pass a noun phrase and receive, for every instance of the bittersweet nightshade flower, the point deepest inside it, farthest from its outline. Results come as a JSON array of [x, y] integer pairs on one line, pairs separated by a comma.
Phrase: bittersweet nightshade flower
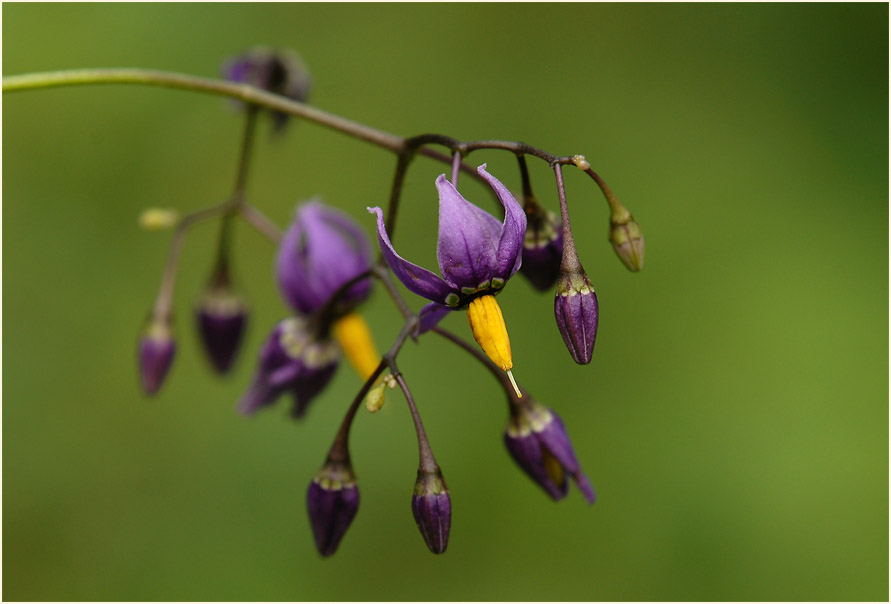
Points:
[[432, 509], [319, 253], [279, 71], [576, 311], [332, 500], [292, 360], [536, 439], [542, 247], [477, 255], [221, 316], [156, 351]]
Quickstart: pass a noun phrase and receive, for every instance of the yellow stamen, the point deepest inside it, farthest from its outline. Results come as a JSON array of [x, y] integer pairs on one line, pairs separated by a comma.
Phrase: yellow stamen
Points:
[[355, 338], [487, 324]]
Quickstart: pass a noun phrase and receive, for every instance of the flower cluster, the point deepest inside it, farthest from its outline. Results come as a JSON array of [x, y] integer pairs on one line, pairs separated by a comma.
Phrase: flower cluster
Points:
[[324, 273]]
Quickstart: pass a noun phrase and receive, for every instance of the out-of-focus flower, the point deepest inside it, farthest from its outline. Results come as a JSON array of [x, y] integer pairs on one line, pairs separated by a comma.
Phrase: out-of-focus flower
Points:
[[292, 360], [319, 253], [280, 71], [542, 247], [538, 442]]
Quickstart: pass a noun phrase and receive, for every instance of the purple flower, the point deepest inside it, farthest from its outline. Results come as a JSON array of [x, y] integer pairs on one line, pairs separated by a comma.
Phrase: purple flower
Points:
[[576, 310], [320, 252], [221, 317], [542, 247], [277, 71], [477, 255], [332, 500], [537, 440], [432, 509], [156, 351], [292, 360]]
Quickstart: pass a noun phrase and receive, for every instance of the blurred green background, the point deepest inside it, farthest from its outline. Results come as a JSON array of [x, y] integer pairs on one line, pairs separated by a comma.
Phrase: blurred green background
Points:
[[734, 418]]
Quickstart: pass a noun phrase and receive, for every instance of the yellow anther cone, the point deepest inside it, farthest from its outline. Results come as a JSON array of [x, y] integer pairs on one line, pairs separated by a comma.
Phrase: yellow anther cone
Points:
[[355, 339], [490, 332]]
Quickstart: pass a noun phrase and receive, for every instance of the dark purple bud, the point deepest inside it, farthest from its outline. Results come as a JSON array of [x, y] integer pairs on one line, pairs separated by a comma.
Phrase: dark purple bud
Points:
[[292, 360], [332, 501], [280, 71], [542, 247], [432, 509], [221, 316], [537, 440], [156, 351], [575, 307]]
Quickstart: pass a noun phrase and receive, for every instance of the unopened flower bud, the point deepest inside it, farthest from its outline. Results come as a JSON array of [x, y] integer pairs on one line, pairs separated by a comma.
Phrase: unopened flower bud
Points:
[[332, 501], [432, 509], [542, 246], [628, 242], [627, 238], [221, 316], [575, 308], [375, 398], [537, 440], [156, 351]]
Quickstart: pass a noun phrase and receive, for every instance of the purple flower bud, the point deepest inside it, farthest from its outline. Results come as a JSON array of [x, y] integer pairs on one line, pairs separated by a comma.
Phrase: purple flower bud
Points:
[[294, 360], [319, 253], [332, 501], [156, 351], [278, 71], [537, 441], [221, 316], [575, 307], [542, 247], [432, 509]]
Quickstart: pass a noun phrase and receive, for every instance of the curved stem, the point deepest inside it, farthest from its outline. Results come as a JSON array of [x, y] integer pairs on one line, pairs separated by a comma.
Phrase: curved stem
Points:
[[260, 222], [427, 462], [339, 451], [456, 167], [244, 92], [570, 261], [244, 156], [494, 369]]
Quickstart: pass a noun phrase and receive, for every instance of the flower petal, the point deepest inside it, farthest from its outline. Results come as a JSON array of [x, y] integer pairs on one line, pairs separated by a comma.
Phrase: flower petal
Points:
[[336, 252], [510, 245], [468, 239], [431, 315], [418, 280]]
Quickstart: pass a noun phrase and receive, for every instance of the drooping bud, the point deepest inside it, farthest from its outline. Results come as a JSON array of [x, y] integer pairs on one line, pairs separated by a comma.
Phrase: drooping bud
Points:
[[575, 308], [221, 316], [627, 238], [156, 351], [432, 509], [537, 441], [542, 246], [332, 500], [280, 71]]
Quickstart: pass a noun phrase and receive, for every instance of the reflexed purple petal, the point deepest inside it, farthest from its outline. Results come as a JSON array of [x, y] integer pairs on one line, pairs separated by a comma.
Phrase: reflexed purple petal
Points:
[[513, 232], [331, 510], [291, 270], [555, 439], [584, 485], [431, 315], [468, 239], [418, 280], [526, 452], [576, 311]]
